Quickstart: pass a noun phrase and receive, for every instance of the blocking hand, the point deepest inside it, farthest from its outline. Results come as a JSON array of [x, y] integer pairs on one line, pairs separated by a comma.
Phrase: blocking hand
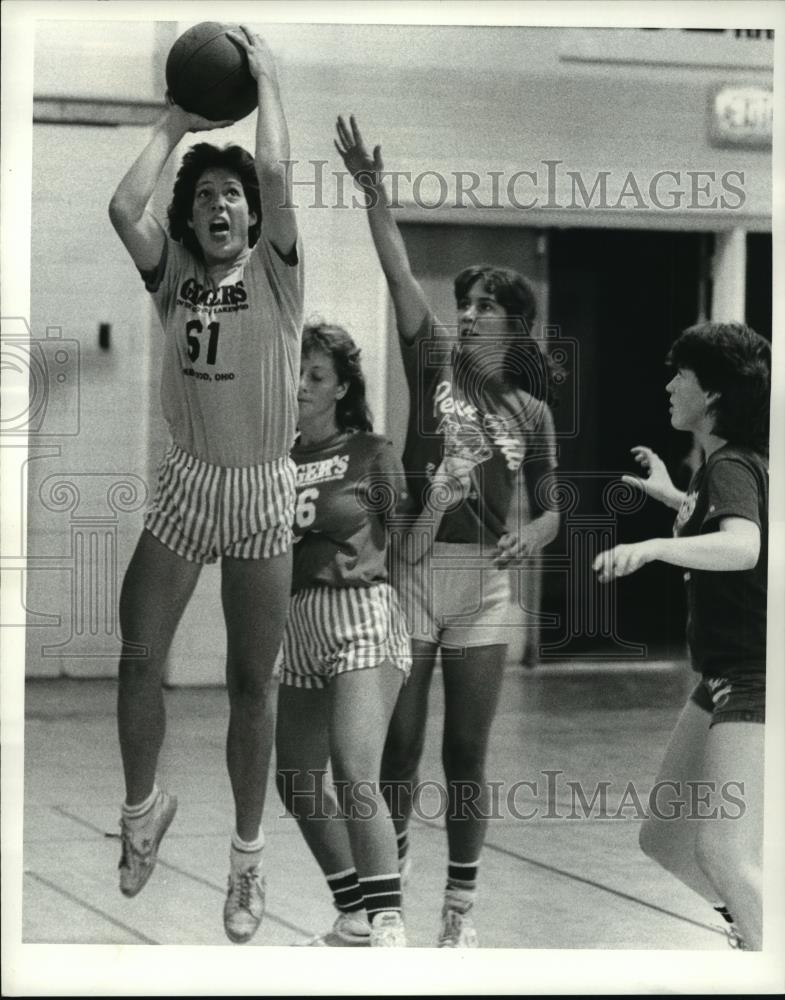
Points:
[[364, 168]]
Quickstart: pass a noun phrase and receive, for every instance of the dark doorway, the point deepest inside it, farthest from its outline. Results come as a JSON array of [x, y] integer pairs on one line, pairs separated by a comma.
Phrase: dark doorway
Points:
[[758, 285], [623, 296]]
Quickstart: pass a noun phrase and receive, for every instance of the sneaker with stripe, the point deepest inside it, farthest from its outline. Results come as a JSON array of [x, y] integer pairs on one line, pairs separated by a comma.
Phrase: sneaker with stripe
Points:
[[387, 930], [457, 929], [350, 930], [140, 839], [244, 906]]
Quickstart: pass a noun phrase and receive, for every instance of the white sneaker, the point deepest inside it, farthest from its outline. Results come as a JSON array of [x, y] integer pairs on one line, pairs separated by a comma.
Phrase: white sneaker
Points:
[[244, 906], [457, 930], [140, 845], [387, 930], [350, 930]]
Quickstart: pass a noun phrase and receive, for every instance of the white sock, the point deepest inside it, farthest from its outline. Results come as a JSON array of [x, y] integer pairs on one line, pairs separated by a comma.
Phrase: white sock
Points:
[[245, 854], [137, 813]]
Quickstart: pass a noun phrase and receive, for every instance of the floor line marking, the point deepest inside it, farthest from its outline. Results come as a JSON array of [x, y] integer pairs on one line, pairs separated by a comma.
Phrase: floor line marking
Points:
[[89, 907], [268, 915], [489, 845]]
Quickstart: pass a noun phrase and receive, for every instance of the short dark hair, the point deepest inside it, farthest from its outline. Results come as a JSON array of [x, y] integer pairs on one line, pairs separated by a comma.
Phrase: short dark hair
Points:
[[204, 156], [733, 360], [351, 411], [526, 364]]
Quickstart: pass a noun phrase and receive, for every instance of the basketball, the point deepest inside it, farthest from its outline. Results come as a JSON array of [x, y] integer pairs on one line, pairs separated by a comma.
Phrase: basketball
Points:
[[207, 73]]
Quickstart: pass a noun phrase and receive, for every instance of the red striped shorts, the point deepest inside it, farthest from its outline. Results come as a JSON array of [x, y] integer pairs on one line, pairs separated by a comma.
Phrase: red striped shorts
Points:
[[332, 630], [202, 511]]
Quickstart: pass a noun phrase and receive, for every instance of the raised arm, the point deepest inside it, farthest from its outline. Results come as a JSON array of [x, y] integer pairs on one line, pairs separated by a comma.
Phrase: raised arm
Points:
[[141, 233], [408, 297], [279, 221]]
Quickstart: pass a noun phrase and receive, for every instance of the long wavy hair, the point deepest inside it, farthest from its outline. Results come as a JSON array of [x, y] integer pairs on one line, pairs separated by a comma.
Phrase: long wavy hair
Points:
[[524, 364], [204, 156], [351, 411], [733, 360]]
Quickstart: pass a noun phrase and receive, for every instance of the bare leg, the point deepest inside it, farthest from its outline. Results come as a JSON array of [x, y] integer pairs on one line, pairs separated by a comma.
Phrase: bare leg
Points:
[[302, 751], [362, 704], [472, 684], [669, 835], [406, 736], [157, 587], [730, 845], [255, 595]]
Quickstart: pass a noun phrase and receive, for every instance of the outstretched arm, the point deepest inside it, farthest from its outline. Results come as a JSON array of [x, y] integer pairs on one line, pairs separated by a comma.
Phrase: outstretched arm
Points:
[[736, 546], [279, 221], [141, 233], [408, 297]]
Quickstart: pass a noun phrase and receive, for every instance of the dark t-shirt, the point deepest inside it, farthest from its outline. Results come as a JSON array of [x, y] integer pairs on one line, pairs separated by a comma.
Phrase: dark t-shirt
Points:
[[345, 491], [726, 611], [510, 432]]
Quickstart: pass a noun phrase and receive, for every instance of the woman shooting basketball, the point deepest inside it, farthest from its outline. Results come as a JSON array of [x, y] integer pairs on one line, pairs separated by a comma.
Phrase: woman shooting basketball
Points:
[[227, 284]]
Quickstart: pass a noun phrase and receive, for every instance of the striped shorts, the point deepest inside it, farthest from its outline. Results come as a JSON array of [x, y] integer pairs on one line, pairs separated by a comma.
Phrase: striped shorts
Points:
[[332, 630], [202, 511]]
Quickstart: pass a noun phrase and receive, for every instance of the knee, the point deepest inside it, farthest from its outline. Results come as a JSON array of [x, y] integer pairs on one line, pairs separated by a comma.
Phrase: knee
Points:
[[464, 759], [247, 684], [138, 671], [300, 790], [354, 774], [725, 859], [652, 841], [401, 758]]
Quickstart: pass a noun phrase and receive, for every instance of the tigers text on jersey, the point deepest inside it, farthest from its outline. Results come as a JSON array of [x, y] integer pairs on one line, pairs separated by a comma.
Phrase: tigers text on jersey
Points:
[[232, 353], [345, 488]]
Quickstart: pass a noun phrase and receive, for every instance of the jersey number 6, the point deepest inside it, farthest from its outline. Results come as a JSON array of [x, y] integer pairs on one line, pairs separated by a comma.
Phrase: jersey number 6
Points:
[[305, 513], [194, 346]]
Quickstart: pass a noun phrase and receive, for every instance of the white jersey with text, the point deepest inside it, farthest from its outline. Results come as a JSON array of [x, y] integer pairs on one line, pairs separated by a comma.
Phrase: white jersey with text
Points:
[[232, 352]]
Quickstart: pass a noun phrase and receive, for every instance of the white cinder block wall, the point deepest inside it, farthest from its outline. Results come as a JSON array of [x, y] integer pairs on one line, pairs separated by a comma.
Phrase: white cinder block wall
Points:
[[438, 99]]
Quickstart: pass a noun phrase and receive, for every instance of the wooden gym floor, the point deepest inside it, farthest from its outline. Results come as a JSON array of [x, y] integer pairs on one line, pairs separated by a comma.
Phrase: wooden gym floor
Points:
[[553, 883]]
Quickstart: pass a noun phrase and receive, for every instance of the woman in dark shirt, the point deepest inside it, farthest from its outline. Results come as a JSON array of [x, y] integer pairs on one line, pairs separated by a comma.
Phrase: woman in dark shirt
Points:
[[705, 821]]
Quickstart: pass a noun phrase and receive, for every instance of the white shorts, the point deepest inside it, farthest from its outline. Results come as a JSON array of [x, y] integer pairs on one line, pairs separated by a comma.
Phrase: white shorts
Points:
[[454, 596], [331, 630], [202, 511]]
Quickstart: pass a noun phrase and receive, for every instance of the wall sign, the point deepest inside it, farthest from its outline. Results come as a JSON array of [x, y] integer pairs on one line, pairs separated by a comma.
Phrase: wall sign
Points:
[[741, 116]]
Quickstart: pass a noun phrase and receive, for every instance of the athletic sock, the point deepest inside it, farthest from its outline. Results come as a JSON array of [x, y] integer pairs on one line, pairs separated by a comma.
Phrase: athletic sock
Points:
[[347, 891], [403, 846], [137, 816], [462, 876], [245, 854], [381, 893]]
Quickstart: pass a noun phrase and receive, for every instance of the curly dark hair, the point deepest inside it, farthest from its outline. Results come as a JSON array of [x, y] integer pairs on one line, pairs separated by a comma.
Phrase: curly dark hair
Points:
[[733, 360], [204, 156], [351, 411], [525, 365]]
